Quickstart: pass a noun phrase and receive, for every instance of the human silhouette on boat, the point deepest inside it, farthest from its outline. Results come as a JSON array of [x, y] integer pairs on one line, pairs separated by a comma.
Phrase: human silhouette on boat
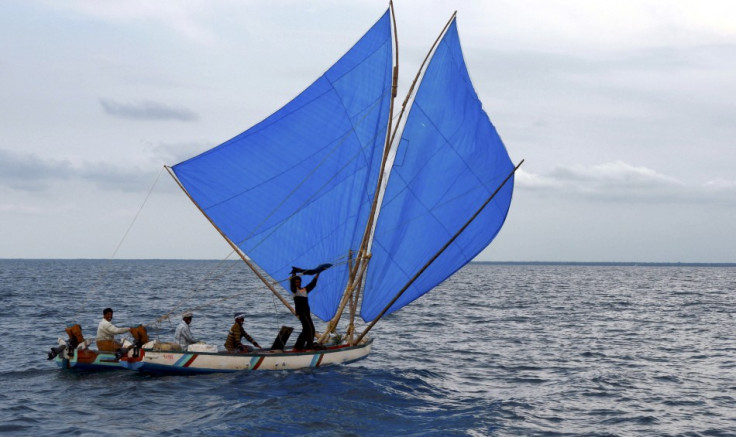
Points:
[[301, 305]]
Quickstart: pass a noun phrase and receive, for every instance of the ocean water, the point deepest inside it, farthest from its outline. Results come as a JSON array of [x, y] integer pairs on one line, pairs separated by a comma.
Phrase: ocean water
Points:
[[496, 350]]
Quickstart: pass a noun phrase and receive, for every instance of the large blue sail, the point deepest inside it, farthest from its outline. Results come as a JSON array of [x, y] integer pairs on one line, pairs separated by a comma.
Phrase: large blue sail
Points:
[[449, 161], [296, 189]]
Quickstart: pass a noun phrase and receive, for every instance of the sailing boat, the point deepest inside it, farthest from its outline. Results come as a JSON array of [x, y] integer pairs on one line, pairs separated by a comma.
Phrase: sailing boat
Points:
[[325, 179]]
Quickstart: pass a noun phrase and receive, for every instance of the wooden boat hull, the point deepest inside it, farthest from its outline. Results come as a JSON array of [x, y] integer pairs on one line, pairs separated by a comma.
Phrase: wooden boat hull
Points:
[[187, 363], [85, 359]]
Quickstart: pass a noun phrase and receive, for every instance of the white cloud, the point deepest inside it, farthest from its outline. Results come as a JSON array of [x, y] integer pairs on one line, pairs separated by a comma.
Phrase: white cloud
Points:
[[720, 184], [600, 25], [618, 107], [621, 182], [147, 110], [184, 16], [27, 172]]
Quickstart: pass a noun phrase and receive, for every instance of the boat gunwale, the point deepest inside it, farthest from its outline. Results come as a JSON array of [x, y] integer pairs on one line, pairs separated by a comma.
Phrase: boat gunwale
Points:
[[264, 353]]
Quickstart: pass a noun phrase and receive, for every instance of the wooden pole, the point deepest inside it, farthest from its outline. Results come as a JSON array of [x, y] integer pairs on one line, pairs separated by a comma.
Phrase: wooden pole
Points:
[[361, 260], [237, 250], [343, 302], [386, 148], [436, 255]]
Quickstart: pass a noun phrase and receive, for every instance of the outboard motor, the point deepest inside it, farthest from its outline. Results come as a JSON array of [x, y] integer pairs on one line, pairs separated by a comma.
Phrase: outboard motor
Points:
[[75, 336], [75, 339], [140, 337], [56, 351]]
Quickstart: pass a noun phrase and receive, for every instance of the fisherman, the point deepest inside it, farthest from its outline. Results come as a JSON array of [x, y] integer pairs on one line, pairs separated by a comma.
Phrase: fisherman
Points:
[[106, 332], [183, 335], [301, 304], [233, 344]]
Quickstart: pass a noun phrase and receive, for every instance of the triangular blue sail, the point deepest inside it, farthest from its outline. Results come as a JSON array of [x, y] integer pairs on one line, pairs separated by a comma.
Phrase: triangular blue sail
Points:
[[449, 161], [296, 189]]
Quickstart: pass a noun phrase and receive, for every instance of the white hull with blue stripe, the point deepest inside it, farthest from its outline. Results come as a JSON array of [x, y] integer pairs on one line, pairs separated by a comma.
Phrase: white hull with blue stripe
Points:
[[178, 362]]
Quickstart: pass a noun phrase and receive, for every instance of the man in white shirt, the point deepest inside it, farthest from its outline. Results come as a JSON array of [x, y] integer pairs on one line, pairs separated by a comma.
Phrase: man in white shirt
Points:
[[106, 332], [183, 335]]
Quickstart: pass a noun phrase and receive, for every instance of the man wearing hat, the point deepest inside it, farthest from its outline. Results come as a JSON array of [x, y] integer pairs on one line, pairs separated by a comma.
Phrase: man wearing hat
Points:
[[233, 344], [183, 335]]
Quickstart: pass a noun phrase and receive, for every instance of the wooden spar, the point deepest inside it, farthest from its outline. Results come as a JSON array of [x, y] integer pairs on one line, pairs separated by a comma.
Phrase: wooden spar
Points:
[[395, 81], [361, 260], [387, 146], [353, 309], [351, 322], [344, 301], [436, 255], [237, 250], [361, 257]]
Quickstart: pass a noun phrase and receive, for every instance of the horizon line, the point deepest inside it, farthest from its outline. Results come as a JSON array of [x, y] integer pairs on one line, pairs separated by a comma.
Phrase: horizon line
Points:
[[549, 263]]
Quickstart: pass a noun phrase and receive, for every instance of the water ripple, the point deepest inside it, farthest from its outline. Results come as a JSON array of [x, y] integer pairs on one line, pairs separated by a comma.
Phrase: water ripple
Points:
[[496, 350]]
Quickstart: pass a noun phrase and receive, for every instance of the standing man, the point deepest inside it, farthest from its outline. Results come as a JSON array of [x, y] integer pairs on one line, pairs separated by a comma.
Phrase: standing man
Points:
[[106, 332], [301, 306], [183, 334]]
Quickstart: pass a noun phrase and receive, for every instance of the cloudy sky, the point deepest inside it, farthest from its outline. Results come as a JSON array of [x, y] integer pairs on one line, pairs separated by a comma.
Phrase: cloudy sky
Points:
[[623, 110]]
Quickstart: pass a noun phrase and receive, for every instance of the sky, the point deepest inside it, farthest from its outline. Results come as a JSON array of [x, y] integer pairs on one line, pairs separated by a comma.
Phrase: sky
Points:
[[622, 110]]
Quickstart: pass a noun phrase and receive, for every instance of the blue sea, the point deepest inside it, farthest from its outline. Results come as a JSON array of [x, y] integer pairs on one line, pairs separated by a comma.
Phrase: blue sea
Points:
[[495, 350]]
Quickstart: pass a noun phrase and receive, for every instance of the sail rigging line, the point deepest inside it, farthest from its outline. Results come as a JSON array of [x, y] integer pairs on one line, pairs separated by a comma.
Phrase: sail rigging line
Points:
[[102, 275], [209, 275], [145, 200], [454, 237]]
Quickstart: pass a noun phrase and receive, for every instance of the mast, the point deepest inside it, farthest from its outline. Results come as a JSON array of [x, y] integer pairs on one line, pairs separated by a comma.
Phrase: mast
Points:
[[240, 253], [436, 255], [362, 258]]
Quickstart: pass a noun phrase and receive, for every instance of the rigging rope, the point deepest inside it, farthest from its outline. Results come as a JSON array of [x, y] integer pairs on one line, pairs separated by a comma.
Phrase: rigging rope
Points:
[[102, 275]]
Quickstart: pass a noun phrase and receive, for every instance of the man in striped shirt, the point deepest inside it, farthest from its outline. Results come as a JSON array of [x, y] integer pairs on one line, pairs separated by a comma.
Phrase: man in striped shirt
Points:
[[233, 344]]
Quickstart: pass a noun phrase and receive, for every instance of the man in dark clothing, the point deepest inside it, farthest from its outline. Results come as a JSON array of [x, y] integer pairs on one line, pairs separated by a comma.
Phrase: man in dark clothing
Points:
[[301, 305]]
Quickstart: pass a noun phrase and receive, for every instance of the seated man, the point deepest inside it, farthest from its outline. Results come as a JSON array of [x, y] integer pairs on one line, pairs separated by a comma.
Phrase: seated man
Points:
[[233, 344], [183, 335], [106, 332]]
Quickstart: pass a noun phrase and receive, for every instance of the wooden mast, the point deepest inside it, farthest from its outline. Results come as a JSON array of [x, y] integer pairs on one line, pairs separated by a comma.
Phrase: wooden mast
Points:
[[237, 250], [362, 258]]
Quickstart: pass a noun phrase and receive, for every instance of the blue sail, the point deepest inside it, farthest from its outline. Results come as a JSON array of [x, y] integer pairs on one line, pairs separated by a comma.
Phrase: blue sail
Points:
[[296, 188], [450, 159]]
